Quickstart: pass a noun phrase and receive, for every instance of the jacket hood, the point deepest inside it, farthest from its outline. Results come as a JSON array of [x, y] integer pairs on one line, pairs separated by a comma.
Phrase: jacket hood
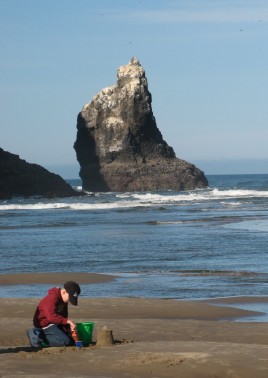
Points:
[[55, 291]]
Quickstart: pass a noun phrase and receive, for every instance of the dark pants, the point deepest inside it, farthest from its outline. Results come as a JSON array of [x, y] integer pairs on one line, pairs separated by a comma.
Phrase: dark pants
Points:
[[54, 336]]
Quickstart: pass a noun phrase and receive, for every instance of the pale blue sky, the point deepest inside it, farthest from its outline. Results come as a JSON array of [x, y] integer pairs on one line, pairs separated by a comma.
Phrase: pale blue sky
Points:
[[205, 60]]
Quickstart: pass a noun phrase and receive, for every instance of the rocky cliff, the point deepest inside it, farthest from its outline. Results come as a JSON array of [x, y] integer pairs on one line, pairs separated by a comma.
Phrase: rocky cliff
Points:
[[19, 178], [119, 146]]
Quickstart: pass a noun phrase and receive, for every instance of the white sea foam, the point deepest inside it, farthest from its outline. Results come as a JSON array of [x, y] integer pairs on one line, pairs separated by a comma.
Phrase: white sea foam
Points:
[[205, 195], [104, 201], [239, 193], [72, 206], [36, 206]]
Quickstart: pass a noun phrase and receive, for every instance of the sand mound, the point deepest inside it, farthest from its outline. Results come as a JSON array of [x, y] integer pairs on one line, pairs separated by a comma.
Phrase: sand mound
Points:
[[105, 337]]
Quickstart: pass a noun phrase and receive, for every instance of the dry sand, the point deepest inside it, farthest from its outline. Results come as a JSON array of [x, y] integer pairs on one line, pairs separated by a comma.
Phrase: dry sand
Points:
[[153, 338]]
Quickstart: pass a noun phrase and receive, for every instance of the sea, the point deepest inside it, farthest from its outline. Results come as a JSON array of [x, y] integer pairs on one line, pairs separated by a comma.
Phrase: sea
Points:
[[198, 244]]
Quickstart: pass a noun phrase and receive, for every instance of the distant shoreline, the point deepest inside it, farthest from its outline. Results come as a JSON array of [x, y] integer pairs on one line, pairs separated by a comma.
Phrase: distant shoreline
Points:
[[249, 304]]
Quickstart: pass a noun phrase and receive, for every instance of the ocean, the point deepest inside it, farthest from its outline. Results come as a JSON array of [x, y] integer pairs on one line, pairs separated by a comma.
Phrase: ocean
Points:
[[198, 244]]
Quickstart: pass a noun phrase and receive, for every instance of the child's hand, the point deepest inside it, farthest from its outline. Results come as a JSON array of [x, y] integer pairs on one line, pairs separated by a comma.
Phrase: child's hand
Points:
[[72, 324]]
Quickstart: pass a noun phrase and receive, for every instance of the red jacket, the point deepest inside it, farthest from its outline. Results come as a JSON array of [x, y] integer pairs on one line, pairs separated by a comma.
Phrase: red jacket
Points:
[[51, 310]]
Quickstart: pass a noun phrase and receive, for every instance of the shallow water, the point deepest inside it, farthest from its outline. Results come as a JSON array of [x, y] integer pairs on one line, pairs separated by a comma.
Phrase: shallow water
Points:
[[187, 245]]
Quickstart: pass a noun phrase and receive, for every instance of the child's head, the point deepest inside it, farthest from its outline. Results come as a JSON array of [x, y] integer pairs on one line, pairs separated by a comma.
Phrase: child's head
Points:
[[70, 292]]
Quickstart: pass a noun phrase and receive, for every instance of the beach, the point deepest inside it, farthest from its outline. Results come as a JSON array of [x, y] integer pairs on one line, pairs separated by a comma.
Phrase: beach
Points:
[[153, 338]]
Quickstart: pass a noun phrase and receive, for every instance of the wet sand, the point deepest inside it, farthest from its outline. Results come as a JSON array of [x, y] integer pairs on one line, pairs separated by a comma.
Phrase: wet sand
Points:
[[153, 338]]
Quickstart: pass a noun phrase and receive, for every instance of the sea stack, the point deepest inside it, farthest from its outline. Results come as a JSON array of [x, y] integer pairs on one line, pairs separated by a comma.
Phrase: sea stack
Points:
[[20, 178], [119, 147]]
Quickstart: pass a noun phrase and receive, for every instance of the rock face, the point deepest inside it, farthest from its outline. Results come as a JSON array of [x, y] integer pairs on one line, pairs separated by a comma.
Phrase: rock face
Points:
[[118, 144], [19, 178]]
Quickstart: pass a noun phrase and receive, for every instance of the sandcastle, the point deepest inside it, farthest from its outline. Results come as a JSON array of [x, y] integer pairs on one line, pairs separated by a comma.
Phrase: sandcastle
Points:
[[105, 337]]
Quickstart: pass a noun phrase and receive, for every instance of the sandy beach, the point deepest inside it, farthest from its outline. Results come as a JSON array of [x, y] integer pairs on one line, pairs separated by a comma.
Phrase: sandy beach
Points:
[[153, 337]]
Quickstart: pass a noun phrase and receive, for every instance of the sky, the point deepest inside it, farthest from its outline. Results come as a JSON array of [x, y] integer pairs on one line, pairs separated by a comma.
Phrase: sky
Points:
[[205, 60]]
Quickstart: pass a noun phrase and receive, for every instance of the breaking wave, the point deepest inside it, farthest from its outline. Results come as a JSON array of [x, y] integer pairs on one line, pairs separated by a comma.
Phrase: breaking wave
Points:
[[102, 201]]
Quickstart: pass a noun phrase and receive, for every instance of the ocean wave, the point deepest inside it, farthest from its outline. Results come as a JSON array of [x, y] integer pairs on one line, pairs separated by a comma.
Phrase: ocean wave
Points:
[[106, 201], [207, 272], [240, 193], [193, 272], [72, 206], [197, 195], [34, 206], [212, 219]]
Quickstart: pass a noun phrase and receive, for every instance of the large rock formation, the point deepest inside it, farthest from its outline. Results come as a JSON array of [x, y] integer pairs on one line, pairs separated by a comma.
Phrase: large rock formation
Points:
[[119, 146], [19, 178]]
